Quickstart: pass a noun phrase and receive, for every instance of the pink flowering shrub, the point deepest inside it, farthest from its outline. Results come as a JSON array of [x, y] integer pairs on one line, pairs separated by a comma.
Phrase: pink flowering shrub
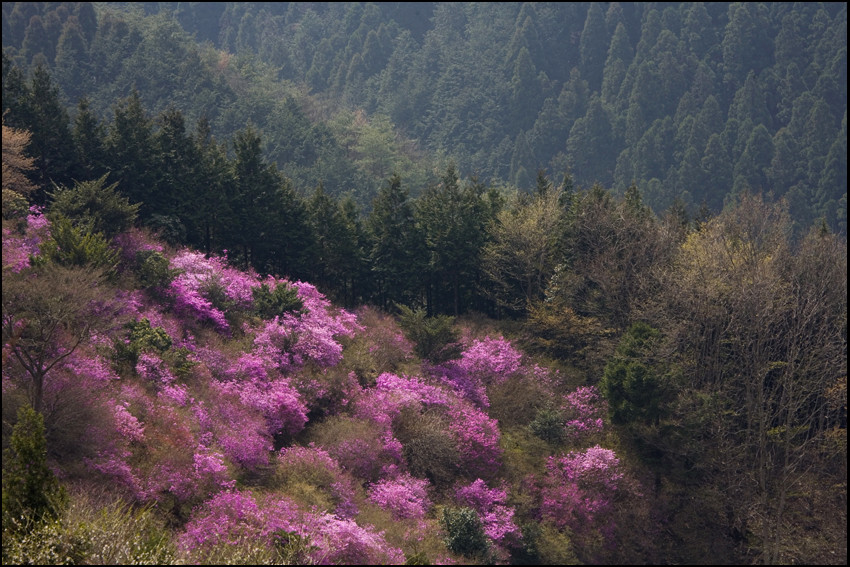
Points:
[[342, 542], [478, 439], [404, 496], [392, 393], [579, 487], [496, 517], [584, 409], [133, 241], [207, 289], [462, 383], [232, 516], [491, 360], [293, 340], [362, 447], [308, 469], [241, 431], [263, 389], [19, 248]]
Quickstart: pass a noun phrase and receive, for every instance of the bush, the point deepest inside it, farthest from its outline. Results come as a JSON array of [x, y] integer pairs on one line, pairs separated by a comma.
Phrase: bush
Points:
[[464, 532], [71, 245], [270, 303], [152, 269], [31, 492], [91, 203], [435, 338]]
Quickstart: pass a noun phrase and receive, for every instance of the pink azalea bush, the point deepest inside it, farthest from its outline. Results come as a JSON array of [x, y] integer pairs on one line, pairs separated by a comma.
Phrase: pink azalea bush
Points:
[[405, 496], [491, 360], [232, 516], [392, 393], [496, 517], [584, 409], [293, 340], [478, 439], [579, 487], [19, 248]]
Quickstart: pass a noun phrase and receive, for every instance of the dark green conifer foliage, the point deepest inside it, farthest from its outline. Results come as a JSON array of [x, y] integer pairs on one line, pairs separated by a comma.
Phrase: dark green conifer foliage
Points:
[[89, 137], [396, 256], [31, 492], [131, 152], [96, 205]]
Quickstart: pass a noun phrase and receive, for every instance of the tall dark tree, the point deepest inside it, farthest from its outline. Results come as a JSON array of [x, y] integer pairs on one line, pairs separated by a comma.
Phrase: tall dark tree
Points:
[[396, 256], [131, 153], [453, 225]]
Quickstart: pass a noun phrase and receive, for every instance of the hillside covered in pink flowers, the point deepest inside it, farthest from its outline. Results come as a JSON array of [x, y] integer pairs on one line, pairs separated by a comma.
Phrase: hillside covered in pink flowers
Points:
[[237, 417]]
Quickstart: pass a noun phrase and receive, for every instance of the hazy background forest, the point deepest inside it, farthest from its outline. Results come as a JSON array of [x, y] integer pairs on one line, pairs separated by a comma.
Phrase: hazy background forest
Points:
[[577, 282]]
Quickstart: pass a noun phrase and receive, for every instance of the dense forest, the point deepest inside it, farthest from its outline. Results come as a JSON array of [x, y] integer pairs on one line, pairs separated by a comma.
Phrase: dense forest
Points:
[[381, 283]]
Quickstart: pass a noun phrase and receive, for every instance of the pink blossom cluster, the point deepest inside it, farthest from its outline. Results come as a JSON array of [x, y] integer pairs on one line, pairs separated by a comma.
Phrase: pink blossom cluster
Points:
[[202, 273], [343, 542], [259, 387], [584, 409], [370, 457], [392, 393], [152, 368], [133, 241], [189, 301], [478, 439], [491, 360], [18, 249], [293, 340], [497, 518], [462, 383], [580, 486], [405, 496], [232, 516], [126, 424], [202, 280], [92, 370], [241, 431]]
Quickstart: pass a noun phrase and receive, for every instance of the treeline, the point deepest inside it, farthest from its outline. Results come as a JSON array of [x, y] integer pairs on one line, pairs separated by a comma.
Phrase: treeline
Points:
[[695, 101], [103, 56]]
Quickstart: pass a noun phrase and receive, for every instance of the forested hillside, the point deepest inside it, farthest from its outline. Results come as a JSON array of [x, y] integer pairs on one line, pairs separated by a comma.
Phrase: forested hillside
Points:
[[696, 101], [488, 283]]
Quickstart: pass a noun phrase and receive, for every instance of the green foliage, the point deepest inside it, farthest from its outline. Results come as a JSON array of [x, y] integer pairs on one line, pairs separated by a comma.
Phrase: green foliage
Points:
[[94, 531], [270, 303], [141, 337], [548, 424], [429, 447], [435, 338], [80, 246], [95, 205], [152, 269], [464, 532], [31, 492], [15, 205], [632, 383]]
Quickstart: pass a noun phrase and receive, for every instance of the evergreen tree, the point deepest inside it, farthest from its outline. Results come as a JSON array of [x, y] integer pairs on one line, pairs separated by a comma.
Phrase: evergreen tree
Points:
[[396, 256], [131, 153]]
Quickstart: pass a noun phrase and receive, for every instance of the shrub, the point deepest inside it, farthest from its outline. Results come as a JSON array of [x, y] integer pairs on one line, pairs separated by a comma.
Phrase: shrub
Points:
[[269, 303], [464, 532], [435, 338], [71, 245], [31, 492], [97, 205], [405, 496]]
